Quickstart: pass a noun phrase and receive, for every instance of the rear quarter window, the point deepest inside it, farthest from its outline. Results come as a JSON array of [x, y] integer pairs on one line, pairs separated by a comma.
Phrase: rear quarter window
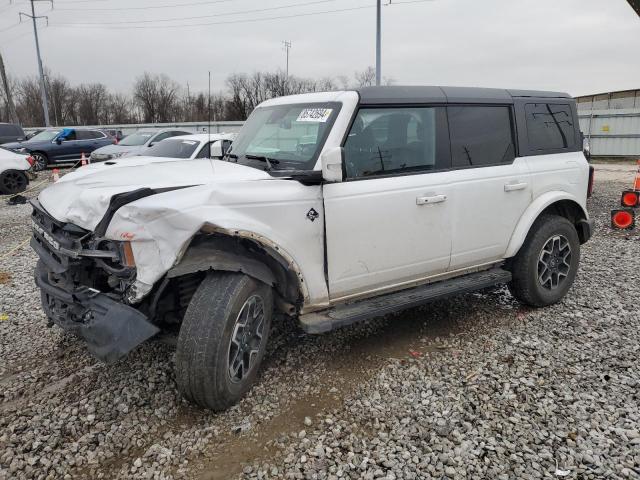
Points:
[[550, 126]]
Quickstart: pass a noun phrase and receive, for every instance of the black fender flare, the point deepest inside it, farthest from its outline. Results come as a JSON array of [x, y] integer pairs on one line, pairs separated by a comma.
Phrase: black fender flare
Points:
[[220, 256]]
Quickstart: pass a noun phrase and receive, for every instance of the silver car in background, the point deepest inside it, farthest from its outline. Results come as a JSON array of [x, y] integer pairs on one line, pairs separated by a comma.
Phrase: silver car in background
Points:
[[135, 144]]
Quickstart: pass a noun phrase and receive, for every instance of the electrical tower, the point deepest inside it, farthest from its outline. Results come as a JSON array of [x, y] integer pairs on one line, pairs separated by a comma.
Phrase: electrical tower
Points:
[[287, 47], [43, 89]]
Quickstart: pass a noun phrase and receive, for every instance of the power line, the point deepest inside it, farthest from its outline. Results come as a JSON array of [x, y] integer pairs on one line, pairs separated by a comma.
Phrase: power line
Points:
[[119, 9], [10, 27], [13, 39], [252, 20], [226, 14]]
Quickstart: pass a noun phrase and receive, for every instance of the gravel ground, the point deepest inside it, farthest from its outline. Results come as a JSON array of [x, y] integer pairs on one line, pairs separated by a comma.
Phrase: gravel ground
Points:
[[473, 387]]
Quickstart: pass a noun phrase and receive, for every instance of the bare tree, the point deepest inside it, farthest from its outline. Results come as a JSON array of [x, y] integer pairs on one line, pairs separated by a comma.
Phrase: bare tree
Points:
[[91, 100], [28, 103], [366, 78], [62, 100], [157, 96]]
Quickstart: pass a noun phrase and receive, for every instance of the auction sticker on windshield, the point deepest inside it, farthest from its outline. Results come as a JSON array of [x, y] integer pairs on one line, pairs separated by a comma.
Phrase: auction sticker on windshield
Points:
[[320, 115]]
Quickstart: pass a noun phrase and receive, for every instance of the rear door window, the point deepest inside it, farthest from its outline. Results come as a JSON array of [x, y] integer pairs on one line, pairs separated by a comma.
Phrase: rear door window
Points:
[[89, 134], [481, 135], [550, 126]]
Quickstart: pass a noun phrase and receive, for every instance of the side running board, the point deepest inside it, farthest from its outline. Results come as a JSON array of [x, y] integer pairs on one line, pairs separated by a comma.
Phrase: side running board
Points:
[[348, 313]]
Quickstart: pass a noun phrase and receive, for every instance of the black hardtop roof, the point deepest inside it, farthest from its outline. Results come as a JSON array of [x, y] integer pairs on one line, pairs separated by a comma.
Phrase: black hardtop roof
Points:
[[427, 94]]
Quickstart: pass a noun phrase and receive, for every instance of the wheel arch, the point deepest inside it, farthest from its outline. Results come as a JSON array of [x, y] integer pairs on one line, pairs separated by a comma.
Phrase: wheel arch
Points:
[[555, 203], [248, 253]]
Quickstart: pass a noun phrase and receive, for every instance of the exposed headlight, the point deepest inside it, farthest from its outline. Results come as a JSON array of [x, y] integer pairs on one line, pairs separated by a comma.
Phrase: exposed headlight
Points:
[[118, 155]]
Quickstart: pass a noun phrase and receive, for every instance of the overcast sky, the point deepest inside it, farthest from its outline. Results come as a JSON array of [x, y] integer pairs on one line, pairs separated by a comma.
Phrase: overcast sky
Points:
[[579, 46]]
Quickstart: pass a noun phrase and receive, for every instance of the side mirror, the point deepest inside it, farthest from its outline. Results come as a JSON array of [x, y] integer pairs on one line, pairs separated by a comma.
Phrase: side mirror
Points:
[[215, 150], [59, 141], [332, 161], [151, 144]]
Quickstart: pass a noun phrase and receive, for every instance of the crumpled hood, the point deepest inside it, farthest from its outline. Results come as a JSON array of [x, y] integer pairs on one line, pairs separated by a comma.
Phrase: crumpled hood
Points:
[[82, 198]]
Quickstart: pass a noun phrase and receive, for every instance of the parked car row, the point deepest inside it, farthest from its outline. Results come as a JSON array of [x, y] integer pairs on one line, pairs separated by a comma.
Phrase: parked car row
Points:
[[135, 144]]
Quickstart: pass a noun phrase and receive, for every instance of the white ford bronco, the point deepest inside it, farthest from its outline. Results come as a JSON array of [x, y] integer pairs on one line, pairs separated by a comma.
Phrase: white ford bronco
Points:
[[329, 208]]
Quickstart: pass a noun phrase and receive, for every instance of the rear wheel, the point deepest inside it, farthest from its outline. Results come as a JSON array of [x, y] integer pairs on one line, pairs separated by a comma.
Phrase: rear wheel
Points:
[[545, 267], [13, 181], [223, 339], [40, 161]]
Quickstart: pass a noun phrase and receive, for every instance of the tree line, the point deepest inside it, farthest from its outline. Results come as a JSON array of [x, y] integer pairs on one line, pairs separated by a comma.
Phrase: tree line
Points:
[[156, 98]]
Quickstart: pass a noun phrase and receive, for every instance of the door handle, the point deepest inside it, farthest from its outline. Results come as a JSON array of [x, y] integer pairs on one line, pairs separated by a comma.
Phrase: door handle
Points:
[[512, 187], [430, 200]]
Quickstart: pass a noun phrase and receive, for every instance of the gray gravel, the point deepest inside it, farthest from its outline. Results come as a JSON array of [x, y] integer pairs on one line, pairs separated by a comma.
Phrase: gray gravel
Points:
[[474, 387]]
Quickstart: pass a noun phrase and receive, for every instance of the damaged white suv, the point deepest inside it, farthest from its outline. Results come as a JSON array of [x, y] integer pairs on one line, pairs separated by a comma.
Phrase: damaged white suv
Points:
[[331, 208]]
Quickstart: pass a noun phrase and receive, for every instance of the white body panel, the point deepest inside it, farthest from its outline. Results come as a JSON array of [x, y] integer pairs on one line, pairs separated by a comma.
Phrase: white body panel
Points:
[[557, 177], [486, 205], [379, 235], [13, 161]]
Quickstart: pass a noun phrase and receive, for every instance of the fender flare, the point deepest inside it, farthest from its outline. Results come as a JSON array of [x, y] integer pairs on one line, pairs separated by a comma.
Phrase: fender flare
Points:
[[221, 251], [202, 259], [532, 213]]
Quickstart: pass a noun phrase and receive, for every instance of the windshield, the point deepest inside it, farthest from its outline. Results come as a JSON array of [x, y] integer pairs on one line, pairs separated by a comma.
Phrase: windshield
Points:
[[289, 136], [136, 139], [45, 136], [173, 148]]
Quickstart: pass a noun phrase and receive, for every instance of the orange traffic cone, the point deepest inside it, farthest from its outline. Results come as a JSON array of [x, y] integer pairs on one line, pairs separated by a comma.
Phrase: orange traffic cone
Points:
[[83, 160], [56, 175], [636, 183]]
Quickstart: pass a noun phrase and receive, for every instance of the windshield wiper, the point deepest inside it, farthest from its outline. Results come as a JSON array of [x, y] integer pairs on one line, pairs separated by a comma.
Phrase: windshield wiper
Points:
[[262, 158]]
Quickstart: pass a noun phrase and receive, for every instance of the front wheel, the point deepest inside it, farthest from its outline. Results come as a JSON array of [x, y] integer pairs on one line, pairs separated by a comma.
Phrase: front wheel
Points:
[[223, 339], [545, 267]]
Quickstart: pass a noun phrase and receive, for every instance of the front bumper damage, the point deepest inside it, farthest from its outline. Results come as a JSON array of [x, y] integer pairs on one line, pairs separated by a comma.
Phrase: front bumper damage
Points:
[[79, 295]]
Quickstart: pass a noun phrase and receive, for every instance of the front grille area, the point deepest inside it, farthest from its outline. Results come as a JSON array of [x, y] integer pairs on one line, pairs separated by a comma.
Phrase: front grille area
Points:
[[53, 237]]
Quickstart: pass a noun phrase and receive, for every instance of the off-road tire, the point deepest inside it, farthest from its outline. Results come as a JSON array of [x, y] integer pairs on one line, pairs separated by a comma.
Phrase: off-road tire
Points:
[[13, 181], [525, 284], [203, 349], [41, 161]]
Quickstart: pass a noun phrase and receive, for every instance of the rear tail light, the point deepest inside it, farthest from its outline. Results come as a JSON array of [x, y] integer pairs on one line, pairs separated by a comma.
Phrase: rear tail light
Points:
[[31, 160], [592, 173], [623, 219], [630, 199]]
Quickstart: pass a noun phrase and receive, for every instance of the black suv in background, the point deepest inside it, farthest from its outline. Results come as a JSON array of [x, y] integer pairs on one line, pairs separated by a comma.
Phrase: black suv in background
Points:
[[11, 133]]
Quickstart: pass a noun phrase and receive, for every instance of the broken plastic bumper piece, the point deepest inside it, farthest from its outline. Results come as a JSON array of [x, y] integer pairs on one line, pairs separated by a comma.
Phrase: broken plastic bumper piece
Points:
[[110, 328]]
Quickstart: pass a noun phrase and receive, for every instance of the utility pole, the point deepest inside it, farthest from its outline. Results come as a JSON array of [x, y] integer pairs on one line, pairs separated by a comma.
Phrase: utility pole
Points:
[[378, 43], [11, 108], [43, 90], [287, 47]]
